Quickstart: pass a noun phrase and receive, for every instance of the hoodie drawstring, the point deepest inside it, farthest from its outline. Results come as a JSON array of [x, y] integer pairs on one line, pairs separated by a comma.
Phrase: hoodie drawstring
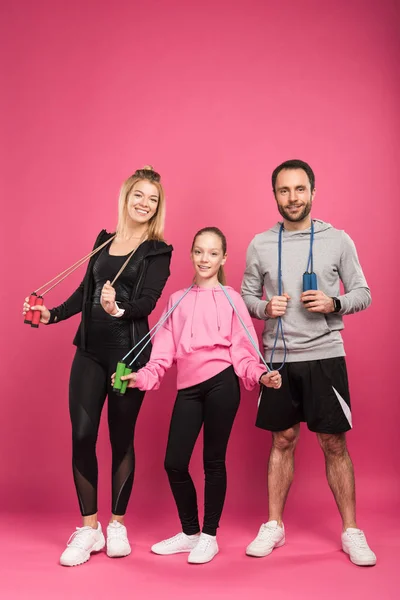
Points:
[[216, 308], [194, 310]]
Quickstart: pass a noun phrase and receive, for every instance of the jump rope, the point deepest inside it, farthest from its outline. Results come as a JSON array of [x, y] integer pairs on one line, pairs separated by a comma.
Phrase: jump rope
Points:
[[309, 283], [32, 317]]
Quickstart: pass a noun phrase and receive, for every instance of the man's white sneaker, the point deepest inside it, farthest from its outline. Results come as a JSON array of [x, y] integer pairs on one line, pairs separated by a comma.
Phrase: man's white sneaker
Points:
[[178, 543], [117, 540], [81, 544], [355, 544], [205, 550], [270, 536]]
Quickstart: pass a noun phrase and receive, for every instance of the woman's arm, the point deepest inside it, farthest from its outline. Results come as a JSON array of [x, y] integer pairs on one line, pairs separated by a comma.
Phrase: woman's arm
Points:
[[69, 308]]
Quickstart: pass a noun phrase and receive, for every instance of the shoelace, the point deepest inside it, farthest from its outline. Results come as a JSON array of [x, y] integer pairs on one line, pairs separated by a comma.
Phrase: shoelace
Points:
[[359, 539], [117, 532], [76, 540], [203, 545], [266, 531], [176, 538]]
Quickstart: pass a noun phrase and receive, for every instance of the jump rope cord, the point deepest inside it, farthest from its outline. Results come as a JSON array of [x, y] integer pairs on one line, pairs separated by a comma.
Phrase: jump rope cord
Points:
[[161, 322], [154, 329], [253, 343], [279, 327], [310, 269], [141, 240], [64, 274], [310, 263], [72, 268]]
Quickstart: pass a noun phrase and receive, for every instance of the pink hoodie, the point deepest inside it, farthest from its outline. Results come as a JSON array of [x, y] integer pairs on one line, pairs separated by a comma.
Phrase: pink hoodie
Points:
[[204, 336]]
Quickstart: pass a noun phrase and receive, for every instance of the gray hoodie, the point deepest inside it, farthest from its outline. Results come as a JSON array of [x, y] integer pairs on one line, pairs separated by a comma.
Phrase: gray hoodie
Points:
[[309, 336]]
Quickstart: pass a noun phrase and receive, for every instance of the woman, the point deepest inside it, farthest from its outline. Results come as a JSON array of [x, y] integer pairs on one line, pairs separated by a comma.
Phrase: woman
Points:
[[113, 319], [206, 339]]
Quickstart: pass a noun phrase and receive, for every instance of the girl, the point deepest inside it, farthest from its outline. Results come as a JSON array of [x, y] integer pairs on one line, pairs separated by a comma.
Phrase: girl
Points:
[[206, 339], [113, 318]]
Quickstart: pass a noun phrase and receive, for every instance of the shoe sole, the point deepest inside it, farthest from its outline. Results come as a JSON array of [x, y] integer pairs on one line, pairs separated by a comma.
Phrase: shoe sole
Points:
[[359, 563], [260, 554], [119, 555], [202, 562], [161, 553], [96, 548]]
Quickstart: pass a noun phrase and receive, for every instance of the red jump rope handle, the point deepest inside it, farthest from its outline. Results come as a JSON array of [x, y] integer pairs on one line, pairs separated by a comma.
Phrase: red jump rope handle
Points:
[[36, 313], [29, 314]]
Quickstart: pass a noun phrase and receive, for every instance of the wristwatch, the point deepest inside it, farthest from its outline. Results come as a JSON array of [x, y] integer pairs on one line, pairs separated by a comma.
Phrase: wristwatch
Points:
[[337, 305]]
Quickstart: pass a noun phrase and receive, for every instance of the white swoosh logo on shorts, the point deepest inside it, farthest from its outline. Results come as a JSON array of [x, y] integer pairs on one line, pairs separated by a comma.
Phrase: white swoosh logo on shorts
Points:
[[345, 407]]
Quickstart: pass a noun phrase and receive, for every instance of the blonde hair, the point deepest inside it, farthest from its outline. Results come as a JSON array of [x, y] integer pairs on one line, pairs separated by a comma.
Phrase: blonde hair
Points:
[[156, 223], [221, 271]]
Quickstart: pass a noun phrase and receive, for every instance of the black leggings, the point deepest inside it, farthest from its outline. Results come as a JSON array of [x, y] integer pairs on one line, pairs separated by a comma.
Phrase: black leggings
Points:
[[90, 383], [213, 403]]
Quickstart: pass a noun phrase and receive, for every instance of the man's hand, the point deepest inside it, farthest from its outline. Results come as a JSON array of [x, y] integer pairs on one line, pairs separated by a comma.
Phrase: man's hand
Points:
[[277, 306], [317, 301]]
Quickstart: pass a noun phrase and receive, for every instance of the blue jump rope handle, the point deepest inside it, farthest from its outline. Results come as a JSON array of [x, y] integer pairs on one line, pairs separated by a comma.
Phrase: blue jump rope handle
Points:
[[309, 282]]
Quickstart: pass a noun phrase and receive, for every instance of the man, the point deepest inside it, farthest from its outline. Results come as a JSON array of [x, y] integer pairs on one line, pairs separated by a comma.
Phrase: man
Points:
[[302, 329]]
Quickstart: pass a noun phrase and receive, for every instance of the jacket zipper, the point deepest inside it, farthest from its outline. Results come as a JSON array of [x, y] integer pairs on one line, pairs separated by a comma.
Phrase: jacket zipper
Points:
[[133, 298]]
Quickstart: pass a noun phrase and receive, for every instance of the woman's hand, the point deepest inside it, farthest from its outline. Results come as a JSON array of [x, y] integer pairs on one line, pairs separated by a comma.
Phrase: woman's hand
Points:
[[107, 299], [131, 379], [272, 379], [44, 312]]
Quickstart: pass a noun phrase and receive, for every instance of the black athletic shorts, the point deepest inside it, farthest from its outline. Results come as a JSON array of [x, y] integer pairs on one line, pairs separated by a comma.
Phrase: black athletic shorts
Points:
[[315, 391]]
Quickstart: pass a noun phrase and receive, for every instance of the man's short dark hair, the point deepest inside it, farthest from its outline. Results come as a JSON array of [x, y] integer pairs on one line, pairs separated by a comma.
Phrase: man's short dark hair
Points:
[[294, 164]]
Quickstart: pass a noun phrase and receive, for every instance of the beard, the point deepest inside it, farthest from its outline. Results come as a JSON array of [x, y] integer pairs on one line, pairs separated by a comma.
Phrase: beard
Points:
[[302, 215]]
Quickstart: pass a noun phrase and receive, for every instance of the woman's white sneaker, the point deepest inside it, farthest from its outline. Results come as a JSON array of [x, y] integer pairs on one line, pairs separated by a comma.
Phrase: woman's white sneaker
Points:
[[81, 544], [178, 543], [270, 536], [117, 540], [205, 550], [355, 544]]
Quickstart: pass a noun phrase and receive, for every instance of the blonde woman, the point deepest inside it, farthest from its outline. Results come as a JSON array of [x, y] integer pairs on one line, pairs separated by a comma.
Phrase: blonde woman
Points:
[[113, 319]]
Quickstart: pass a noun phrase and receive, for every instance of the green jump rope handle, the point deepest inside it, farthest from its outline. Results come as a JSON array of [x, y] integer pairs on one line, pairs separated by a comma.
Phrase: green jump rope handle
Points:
[[124, 385], [120, 370]]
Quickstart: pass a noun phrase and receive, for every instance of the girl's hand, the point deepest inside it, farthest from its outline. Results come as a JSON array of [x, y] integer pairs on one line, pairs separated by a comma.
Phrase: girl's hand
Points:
[[107, 299], [44, 312], [131, 379], [272, 380]]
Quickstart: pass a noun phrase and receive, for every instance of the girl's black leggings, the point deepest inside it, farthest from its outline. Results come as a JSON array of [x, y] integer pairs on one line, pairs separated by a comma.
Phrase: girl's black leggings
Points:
[[213, 404], [90, 383]]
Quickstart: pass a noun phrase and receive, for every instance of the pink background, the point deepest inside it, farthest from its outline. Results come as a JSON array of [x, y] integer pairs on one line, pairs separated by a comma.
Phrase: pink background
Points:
[[214, 95]]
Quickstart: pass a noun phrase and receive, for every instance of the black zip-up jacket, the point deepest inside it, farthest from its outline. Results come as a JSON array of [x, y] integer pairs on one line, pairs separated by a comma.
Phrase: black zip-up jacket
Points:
[[151, 279]]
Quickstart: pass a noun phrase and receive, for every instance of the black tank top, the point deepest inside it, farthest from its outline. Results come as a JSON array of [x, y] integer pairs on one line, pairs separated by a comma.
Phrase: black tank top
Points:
[[103, 329]]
